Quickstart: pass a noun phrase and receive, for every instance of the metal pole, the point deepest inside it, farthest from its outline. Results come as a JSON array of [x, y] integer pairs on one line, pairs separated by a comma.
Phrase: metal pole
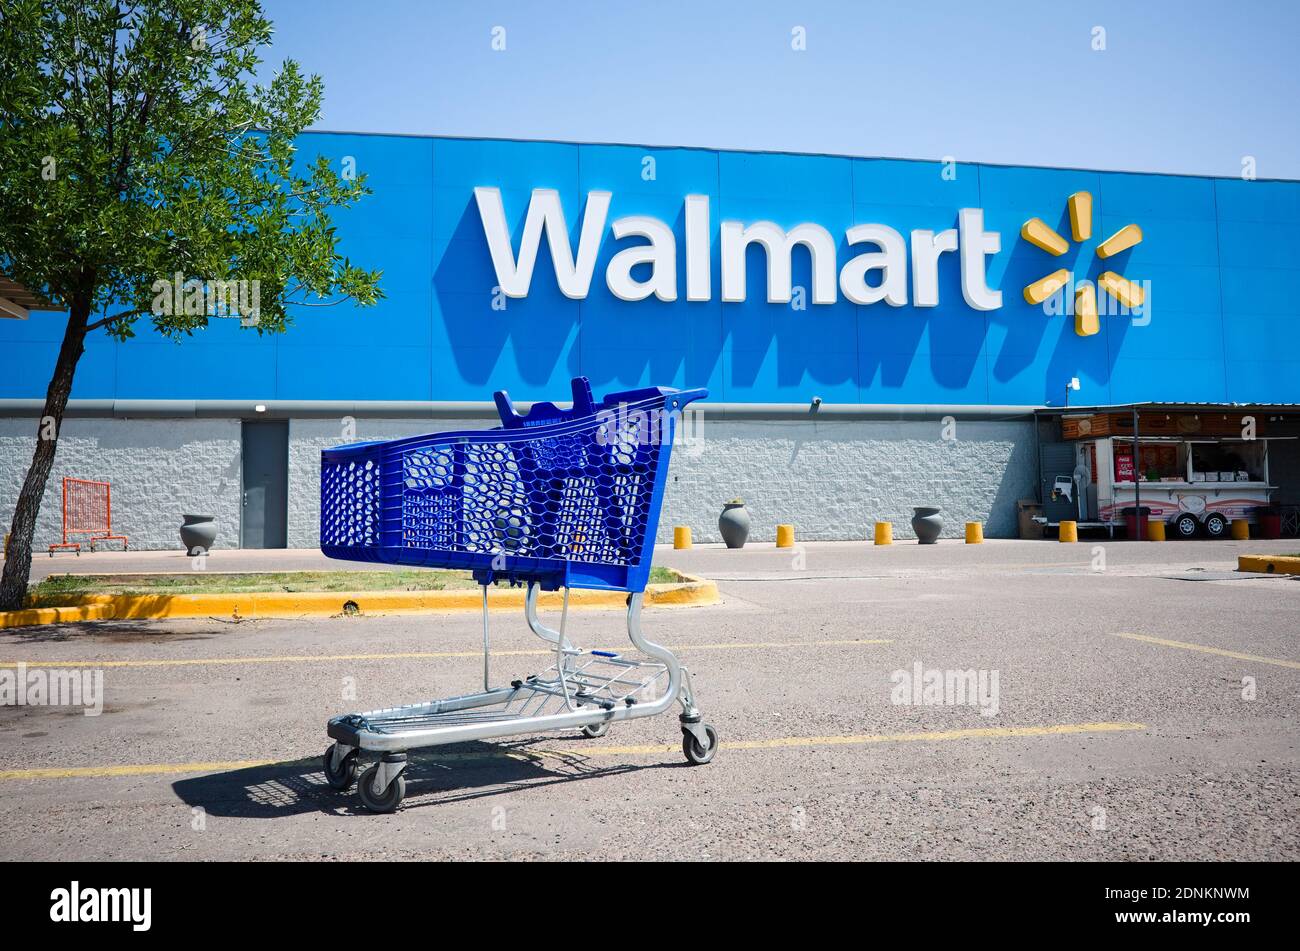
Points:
[[486, 685], [1038, 458], [1137, 483], [561, 657]]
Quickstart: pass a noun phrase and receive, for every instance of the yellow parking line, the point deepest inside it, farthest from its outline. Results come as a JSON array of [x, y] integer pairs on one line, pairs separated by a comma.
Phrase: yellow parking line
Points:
[[863, 739], [593, 749], [1276, 662], [413, 655], [151, 769]]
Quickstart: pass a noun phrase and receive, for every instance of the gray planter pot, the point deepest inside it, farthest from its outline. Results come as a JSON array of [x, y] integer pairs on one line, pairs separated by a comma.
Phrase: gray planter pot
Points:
[[927, 523], [198, 532], [733, 524]]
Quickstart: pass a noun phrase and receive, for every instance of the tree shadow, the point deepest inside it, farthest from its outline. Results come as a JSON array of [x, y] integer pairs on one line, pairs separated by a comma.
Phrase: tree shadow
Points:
[[118, 631], [458, 773]]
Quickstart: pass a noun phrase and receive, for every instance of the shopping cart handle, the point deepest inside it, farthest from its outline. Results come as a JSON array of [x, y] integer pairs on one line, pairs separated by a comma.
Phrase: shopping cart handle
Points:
[[583, 405]]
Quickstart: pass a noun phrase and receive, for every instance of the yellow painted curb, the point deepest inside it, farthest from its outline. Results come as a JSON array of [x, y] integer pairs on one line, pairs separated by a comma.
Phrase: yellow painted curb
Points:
[[57, 609], [56, 615], [1269, 564]]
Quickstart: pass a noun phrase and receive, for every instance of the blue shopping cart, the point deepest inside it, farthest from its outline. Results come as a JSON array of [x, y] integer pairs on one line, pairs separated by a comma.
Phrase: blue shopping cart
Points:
[[554, 498]]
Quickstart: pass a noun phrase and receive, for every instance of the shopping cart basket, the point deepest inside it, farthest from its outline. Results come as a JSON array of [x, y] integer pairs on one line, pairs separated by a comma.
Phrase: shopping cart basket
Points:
[[555, 498]]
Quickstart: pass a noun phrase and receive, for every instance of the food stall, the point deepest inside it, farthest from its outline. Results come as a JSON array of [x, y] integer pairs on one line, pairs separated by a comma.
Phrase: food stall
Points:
[[1196, 472]]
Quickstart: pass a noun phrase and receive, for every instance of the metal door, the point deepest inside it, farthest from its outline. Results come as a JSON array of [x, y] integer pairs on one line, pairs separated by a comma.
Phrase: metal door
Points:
[[264, 523]]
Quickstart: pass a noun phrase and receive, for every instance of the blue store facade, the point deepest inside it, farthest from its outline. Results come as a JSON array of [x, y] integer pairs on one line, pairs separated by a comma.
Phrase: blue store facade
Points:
[[1219, 324]]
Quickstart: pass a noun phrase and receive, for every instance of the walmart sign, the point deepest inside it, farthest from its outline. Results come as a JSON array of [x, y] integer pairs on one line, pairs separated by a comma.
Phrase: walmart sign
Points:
[[873, 276]]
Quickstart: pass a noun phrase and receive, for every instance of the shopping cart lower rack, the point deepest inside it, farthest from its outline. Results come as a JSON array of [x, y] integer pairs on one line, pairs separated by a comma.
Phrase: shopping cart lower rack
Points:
[[555, 498]]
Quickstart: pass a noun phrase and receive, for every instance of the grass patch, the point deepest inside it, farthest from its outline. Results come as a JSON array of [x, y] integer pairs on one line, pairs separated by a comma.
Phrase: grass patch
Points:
[[401, 579], [203, 582]]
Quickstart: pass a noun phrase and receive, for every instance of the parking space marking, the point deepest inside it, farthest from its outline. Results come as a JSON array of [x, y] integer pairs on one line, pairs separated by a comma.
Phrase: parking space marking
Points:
[[414, 655], [1236, 655], [592, 750], [151, 769]]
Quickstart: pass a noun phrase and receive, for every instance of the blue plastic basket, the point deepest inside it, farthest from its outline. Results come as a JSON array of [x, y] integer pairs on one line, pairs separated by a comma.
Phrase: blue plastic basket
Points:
[[557, 496]]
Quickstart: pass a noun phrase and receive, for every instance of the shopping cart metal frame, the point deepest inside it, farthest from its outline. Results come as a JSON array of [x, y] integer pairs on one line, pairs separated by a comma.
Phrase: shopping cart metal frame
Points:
[[586, 690]]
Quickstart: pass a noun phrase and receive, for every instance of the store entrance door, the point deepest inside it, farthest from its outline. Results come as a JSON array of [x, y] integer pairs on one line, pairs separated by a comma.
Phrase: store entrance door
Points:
[[264, 522]]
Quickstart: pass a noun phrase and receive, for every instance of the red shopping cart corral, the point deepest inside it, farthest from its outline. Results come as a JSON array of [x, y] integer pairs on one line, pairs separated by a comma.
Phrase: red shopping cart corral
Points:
[[88, 511]]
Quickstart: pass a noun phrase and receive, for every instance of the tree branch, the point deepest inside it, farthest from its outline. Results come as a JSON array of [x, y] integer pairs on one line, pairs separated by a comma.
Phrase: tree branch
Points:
[[109, 320]]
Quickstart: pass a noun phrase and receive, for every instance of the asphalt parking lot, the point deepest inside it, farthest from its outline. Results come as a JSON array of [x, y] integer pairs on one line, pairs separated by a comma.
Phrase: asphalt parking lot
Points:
[[1145, 707]]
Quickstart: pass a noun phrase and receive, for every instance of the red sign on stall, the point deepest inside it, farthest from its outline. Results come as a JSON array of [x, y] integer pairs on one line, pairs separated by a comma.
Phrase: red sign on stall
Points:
[[1123, 467]]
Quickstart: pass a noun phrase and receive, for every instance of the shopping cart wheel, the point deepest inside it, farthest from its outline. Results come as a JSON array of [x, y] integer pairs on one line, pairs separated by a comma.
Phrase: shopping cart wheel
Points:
[[595, 729], [342, 780], [391, 798], [697, 754]]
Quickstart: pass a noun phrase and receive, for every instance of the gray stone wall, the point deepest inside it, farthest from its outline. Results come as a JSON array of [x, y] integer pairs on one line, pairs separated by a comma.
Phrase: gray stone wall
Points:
[[159, 469], [832, 480]]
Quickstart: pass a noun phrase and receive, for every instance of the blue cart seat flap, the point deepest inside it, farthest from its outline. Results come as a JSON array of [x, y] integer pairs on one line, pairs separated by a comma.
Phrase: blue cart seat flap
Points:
[[557, 496], [542, 414]]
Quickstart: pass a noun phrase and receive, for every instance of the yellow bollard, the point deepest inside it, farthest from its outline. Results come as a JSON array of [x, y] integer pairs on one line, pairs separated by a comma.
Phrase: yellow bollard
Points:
[[974, 533], [1155, 530], [682, 536], [785, 536], [1069, 531], [1240, 529], [884, 533]]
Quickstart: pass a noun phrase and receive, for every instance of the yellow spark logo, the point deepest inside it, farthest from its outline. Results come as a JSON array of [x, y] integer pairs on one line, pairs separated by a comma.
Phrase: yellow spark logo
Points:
[[1037, 233]]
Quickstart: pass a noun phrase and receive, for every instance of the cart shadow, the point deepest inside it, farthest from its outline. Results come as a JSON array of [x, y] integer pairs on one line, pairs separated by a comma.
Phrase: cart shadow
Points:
[[451, 774]]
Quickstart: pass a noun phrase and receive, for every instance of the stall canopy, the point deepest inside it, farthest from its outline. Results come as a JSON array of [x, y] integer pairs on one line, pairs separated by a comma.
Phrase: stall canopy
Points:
[[16, 301]]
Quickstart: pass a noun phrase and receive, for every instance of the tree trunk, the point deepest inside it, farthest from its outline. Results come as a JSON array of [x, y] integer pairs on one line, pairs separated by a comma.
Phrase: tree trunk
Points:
[[18, 563]]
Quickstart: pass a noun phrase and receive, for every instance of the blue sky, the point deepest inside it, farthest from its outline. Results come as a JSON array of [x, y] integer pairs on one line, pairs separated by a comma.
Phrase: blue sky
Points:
[[1190, 87]]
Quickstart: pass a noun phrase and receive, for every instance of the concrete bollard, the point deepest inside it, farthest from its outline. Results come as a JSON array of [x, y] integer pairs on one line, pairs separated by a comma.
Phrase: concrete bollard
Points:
[[785, 536], [1240, 529], [1069, 531], [884, 533], [1155, 530], [682, 536], [974, 533]]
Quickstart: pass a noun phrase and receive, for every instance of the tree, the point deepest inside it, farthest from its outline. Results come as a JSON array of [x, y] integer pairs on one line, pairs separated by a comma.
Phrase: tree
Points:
[[138, 151]]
